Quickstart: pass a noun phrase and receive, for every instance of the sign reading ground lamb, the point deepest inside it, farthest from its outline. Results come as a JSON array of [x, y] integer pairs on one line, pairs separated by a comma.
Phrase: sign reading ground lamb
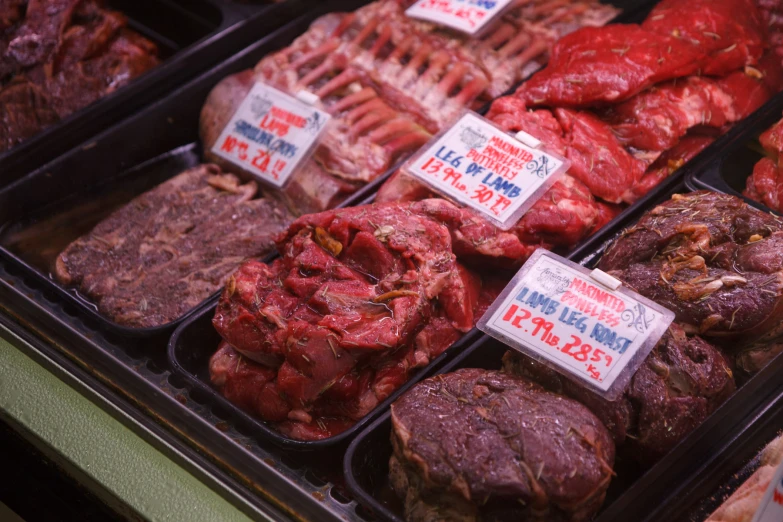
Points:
[[581, 323], [478, 165], [270, 134], [467, 16]]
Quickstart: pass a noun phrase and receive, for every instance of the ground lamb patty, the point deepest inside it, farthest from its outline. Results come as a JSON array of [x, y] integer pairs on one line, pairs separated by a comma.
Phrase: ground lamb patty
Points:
[[478, 445], [166, 251]]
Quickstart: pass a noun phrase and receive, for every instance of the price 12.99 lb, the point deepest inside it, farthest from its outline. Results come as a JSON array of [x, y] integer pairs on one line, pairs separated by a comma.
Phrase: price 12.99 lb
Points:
[[558, 313]]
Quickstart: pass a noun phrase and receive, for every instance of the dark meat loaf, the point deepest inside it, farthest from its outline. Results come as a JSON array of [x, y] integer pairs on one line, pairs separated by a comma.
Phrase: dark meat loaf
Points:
[[682, 381], [484, 445], [717, 263], [172, 247]]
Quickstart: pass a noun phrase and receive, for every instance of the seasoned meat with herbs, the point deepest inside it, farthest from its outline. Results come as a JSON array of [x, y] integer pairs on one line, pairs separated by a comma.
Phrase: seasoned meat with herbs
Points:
[[169, 249], [480, 445], [717, 263], [682, 381]]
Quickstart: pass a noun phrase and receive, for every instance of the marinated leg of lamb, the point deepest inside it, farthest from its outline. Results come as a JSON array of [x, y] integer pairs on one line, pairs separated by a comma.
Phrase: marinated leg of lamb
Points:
[[565, 214], [360, 298], [680, 384], [714, 261], [172, 247], [479, 445]]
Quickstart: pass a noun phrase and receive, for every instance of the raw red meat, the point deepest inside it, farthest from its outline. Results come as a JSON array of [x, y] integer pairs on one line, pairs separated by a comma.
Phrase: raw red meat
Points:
[[597, 158], [359, 299], [563, 216], [772, 139], [730, 33], [656, 119], [682, 381], [595, 66], [607, 65], [765, 185], [717, 263], [667, 163]]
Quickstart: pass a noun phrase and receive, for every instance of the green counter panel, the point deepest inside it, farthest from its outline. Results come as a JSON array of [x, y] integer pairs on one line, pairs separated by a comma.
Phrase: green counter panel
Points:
[[101, 449]]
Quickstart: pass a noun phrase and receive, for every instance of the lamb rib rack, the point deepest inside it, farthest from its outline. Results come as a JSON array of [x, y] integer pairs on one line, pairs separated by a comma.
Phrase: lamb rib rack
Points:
[[390, 82]]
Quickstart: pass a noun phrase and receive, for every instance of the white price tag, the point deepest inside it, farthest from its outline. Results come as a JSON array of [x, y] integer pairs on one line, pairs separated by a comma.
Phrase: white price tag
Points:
[[771, 507], [562, 315], [467, 16], [476, 164], [270, 134]]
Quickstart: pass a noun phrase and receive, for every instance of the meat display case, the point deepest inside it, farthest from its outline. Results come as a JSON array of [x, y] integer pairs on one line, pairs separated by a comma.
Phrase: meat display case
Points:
[[634, 493], [135, 375], [205, 32]]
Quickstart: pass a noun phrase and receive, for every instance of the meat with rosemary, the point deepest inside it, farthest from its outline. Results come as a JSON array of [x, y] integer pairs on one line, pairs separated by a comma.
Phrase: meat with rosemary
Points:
[[172, 247], [478, 445], [717, 263]]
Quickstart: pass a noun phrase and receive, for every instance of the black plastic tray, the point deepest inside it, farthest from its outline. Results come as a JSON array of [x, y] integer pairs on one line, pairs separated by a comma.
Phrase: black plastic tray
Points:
[[196, 340], [155, 144], [366, 461], [733, 164], [192, 35]]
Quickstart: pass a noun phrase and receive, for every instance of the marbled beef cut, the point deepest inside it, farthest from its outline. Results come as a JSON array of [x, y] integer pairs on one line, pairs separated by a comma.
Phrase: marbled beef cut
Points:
[[172, 247], [479, 445]]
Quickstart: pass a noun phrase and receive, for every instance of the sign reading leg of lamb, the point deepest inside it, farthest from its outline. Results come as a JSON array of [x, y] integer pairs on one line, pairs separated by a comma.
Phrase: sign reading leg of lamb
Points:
[[582, 323]]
